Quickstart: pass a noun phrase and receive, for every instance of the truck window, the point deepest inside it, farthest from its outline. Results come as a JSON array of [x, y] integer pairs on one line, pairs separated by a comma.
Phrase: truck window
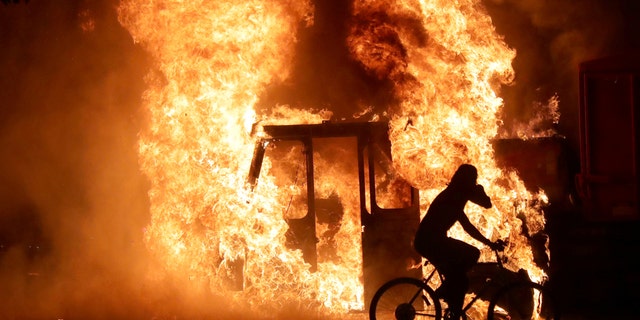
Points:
[[391, 190], [285, 163]]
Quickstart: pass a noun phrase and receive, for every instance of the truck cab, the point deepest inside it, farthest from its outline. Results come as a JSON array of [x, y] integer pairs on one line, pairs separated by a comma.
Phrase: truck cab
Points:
[[331, 172]]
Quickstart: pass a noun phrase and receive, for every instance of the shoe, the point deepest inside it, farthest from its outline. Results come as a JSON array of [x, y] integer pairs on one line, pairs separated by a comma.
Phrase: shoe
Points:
[[443, 291]]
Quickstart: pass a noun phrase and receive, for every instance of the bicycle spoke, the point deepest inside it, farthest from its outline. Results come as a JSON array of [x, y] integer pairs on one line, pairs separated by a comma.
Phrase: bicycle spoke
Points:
[[406, 299]]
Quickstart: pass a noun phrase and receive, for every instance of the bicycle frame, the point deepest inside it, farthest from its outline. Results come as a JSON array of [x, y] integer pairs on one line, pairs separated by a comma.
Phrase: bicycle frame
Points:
[[508, 293], [491, 282]]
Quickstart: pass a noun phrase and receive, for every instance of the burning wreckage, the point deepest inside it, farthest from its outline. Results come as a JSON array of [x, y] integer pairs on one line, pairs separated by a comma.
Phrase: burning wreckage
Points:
[[332, 169], [308, 156]]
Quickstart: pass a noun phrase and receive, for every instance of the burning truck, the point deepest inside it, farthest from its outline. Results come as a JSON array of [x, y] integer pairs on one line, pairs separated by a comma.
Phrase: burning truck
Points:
[[330, 170]]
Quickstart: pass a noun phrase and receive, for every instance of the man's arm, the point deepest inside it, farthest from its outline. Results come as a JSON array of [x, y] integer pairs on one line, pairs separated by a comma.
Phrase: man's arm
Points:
[[473, 231], [479, 197]]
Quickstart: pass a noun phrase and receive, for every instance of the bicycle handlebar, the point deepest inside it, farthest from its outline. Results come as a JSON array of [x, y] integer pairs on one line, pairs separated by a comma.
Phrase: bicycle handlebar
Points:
[[499, 257]]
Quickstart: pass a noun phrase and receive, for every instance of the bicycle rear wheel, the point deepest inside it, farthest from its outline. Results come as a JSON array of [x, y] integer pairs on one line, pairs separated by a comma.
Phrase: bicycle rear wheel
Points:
[[404, 299], [523, 301]]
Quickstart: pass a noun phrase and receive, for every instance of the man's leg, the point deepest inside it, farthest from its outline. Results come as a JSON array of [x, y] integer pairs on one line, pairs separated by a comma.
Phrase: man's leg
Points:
[[457, 288]]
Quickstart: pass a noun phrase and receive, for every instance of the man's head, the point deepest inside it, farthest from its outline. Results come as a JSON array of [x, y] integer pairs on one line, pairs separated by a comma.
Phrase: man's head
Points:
[[465, 177]]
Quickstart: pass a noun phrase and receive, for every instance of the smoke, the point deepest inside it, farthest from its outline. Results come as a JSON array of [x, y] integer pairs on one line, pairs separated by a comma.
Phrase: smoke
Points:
[[73, 203], [323, 73], [551, 39]]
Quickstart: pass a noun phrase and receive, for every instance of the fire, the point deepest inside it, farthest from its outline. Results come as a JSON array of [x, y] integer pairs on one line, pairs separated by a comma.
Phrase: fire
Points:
[[214, 60]]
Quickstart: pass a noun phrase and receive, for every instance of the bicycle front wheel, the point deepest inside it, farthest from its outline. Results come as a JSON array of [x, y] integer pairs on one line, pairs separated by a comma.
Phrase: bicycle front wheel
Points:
[[523, 301], [404, 299]]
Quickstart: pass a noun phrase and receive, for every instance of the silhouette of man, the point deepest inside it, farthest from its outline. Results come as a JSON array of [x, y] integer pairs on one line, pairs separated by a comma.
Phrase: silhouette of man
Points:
[[452, 257]]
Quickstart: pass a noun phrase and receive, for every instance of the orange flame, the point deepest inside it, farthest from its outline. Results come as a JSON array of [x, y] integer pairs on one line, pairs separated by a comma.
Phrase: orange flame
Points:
[[213, 61]]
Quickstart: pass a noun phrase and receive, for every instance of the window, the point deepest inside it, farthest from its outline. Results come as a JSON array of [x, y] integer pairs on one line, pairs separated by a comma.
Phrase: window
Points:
[[391, 190], [287, 166]]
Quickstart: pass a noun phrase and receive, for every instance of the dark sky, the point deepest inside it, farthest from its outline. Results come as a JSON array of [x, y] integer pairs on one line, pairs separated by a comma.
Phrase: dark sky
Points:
[[70, 111]]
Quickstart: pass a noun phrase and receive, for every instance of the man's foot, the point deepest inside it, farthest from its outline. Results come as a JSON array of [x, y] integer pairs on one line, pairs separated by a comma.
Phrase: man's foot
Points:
[[443, 291]]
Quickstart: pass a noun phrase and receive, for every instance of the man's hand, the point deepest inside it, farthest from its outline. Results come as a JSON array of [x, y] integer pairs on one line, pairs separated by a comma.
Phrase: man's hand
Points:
[[498, 245]]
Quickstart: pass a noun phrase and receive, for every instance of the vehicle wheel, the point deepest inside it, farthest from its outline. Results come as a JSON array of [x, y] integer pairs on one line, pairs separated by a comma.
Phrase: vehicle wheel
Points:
[[404, 299], [526, 300]]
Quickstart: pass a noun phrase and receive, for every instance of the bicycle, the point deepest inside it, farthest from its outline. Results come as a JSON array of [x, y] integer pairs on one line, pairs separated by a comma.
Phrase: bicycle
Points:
[[510, 295]]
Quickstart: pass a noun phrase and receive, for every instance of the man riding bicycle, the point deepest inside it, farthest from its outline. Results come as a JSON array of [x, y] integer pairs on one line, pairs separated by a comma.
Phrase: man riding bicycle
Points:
[[451, 257]]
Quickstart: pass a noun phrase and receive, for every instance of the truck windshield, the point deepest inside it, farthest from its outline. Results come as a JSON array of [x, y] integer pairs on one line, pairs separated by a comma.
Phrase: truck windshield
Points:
[[285, 162]]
